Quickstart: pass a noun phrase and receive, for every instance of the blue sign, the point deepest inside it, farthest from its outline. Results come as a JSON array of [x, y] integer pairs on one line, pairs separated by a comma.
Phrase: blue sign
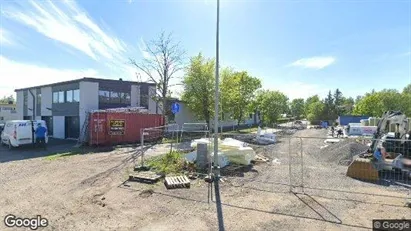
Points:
[[175, 107]]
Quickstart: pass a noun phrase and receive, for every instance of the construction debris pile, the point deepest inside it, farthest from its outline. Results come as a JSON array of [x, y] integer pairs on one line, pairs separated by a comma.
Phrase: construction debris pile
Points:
[[342, 152], [230, 151]]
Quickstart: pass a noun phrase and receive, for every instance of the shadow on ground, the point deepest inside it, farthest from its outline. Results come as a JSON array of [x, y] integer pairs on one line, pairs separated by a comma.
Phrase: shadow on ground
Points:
[[55, 148]]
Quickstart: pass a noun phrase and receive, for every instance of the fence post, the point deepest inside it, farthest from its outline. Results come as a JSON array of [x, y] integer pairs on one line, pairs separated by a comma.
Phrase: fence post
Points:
[[142, 146], [302, 164], [289, 163], [172, 141]]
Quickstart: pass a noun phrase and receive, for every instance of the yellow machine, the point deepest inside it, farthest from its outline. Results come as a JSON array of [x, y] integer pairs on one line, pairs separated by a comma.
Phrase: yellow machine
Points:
[[366, 166]]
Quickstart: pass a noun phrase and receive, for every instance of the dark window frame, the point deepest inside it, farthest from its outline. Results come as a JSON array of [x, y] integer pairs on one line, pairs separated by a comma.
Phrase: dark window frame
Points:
[[76, 95], [69, 96]]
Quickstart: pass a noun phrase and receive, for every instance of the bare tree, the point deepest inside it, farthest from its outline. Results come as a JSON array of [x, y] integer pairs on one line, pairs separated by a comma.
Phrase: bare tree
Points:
[[163, 58]]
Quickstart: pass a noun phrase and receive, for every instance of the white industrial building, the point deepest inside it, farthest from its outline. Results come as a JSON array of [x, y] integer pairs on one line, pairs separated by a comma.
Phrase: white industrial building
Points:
[[64, 105]]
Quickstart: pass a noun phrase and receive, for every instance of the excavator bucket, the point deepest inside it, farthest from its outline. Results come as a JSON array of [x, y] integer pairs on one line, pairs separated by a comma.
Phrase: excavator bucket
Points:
[[363, 169]]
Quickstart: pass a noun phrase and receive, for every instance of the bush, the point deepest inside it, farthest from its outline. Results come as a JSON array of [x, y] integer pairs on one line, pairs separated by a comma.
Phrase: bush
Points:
[[283, 120], [172, 162]]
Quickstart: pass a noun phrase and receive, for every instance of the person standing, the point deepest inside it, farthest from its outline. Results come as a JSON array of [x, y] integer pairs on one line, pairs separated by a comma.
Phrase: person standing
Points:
[[41, 136]]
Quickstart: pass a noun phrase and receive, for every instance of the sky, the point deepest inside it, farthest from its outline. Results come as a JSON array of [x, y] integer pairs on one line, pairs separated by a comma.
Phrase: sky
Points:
[[300, 48]]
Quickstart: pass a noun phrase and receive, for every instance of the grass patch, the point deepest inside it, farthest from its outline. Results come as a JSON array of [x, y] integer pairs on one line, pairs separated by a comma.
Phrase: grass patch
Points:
[[248, 130], [60, 155], [73, 152], [283, 120], [172, 162], [244, 130], [169, 140]]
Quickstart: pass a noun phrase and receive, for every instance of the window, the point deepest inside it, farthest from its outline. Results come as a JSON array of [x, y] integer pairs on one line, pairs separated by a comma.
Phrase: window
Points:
[[73, 96], [58, 97], [55, 97], [125, 98], [61, 97], [104, 96], [25, 98], [114, 97], [69, 96], [76, 95], [38, 98]]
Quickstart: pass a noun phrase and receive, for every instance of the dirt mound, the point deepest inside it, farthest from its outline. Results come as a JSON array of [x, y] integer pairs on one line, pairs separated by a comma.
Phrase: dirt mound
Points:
[[342, 152]]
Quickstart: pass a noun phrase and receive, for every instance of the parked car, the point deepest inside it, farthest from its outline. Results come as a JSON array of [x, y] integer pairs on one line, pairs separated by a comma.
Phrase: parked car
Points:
[[20, 132]]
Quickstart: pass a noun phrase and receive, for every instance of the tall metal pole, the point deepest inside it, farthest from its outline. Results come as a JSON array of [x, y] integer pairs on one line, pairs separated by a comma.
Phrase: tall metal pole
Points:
[[216, 164]]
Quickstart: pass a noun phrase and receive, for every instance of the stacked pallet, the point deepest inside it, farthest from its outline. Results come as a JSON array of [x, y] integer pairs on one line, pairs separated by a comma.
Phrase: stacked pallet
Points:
[[172, 182]]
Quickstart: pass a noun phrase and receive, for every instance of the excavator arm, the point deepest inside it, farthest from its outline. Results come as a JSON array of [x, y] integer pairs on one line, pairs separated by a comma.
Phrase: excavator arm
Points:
[[388, 118]]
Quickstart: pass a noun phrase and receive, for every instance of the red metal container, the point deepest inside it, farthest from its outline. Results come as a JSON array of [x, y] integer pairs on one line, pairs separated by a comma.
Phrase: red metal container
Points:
[[110, 128]]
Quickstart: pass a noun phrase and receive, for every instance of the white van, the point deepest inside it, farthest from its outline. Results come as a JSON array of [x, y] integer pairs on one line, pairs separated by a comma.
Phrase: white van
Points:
[[20, 132]]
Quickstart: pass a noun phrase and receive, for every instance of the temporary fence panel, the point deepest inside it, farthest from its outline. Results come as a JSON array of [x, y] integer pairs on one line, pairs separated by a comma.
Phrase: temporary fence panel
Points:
[[108, 128], [325, 168]]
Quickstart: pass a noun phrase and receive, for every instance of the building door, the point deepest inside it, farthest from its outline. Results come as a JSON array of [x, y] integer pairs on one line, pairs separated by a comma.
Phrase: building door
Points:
[[72, 127], [49, 124], [26, 117]]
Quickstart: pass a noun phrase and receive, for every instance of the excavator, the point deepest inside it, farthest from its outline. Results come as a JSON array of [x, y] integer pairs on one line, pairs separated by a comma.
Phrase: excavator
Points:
[[395, 146]]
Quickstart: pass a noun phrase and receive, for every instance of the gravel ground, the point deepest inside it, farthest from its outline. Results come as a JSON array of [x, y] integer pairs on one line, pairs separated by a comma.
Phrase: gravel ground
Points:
[[342, 152], [86, 192]]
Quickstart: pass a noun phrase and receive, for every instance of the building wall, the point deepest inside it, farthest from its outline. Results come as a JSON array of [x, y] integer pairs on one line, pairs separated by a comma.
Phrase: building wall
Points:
[[58, 127], [38, 98], [346, 119], [25, 104], [8, 112], [46, 101], [30, 101], [88, 99], [152, 105], [19, 105], [135, 95], [186, 116], [66, 108]]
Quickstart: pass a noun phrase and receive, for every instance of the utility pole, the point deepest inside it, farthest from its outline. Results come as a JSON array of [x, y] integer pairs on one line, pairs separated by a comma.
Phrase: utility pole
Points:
[[216, 164]]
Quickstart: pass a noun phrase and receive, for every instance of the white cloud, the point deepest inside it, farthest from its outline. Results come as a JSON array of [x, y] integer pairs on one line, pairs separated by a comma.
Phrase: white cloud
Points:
[[296, 89], [5, 38], [142, 46], [317, 62], [19, 75], [68, 24]]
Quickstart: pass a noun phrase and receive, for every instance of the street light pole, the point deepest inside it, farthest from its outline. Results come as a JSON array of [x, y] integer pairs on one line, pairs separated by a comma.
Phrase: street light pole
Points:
[[216, 164]]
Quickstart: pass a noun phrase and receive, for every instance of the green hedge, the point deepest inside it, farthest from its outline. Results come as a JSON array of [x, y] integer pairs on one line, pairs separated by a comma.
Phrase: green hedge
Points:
[[283, 120]]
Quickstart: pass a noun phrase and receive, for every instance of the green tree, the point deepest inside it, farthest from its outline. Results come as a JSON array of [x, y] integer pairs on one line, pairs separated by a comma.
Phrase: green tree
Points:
[[7, 99], [308, 102], [358, 98], [406, 99], [407, 89], [376, 103], [297, 107], [315, 112], [199, 87], [348, 106], [329, 107], [338, 103], [238, 90], [270, 104]]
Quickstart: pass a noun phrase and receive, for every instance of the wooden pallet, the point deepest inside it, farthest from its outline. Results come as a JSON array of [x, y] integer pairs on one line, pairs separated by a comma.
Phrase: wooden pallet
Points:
[[145, 177], [172, 182], [260, 158]]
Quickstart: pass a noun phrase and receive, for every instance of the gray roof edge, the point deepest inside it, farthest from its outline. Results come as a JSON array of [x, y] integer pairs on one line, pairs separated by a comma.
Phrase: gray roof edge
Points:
[[84, 79]]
